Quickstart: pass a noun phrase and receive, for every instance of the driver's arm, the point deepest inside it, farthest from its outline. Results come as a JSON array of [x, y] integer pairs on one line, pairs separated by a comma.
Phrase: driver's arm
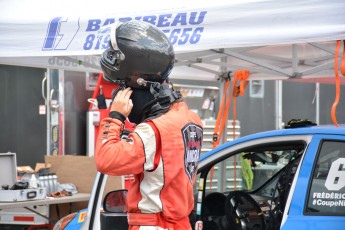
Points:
[[115, 156]]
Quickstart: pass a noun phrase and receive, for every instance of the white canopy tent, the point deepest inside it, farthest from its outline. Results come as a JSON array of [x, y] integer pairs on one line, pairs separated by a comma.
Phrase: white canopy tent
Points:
[[273, 39]]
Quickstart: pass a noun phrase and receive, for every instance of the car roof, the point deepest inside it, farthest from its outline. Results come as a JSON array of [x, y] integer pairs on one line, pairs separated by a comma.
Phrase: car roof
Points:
[[310, 130]]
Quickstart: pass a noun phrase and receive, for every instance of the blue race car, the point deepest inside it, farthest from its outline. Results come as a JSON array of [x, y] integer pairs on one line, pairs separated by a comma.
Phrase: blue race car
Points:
[[284, 179]]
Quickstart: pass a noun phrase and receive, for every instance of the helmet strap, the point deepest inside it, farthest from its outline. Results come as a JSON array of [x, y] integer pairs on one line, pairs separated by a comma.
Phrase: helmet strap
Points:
[[164, 98], [165, 90]]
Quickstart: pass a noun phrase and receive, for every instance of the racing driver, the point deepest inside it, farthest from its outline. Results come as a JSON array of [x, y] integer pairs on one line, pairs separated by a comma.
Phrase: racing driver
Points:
[[163, 151]]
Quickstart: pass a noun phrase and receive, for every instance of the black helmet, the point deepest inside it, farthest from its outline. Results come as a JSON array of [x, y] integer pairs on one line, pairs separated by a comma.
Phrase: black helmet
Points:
[[138, 50]]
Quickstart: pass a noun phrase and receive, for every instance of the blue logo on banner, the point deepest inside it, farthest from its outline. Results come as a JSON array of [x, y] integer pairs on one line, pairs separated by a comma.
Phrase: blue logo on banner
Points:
[[59, 35]]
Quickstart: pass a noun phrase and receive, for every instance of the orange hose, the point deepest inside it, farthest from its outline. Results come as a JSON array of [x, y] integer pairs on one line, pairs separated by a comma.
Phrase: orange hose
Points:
[[242, 76], [342, 67], [222, 116], [337, 81]]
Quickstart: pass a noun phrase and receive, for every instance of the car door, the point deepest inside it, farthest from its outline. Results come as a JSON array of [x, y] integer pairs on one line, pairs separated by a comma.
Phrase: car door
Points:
[[228, 161], [318, 199]]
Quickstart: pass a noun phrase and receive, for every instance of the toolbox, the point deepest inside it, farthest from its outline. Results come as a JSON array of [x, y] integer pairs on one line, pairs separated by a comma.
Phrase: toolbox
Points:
[[8, 178]]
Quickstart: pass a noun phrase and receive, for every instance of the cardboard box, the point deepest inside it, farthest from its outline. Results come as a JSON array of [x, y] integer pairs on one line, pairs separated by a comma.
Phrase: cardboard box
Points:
[[24, 169], [41, 168], [80, 171]]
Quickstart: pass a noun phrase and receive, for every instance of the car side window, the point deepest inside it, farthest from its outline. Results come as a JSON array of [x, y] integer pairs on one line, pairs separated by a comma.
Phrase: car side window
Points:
[[250, 169], [327, 188]]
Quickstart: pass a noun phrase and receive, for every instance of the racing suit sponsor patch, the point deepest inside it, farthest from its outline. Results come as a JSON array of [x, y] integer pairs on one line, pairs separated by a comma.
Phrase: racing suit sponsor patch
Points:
[[192, 138]]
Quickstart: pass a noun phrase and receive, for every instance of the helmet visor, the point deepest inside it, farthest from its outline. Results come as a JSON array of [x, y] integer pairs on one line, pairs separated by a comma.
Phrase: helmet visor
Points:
[[113, 29]]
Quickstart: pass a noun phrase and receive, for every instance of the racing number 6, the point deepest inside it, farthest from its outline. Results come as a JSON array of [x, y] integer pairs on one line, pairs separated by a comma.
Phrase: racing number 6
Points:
[[336, 175]]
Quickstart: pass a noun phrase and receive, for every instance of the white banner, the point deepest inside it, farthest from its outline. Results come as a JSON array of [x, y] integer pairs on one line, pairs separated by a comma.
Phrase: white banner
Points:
[[222, 24]]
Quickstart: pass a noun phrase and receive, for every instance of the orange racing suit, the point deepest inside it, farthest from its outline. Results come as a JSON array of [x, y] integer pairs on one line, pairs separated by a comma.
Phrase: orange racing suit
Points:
[[163, 154]]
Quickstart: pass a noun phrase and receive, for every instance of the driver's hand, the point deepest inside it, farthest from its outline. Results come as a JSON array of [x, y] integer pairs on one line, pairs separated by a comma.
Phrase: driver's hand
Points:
[[122, 102]]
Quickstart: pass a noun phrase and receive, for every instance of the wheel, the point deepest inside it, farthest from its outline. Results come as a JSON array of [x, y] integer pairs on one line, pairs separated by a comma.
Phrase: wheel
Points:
[[243, 212]]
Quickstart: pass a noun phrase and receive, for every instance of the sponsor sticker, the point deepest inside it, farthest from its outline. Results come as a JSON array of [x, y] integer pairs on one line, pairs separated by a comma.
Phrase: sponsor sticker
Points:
[[192, 137], [81, 217]]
